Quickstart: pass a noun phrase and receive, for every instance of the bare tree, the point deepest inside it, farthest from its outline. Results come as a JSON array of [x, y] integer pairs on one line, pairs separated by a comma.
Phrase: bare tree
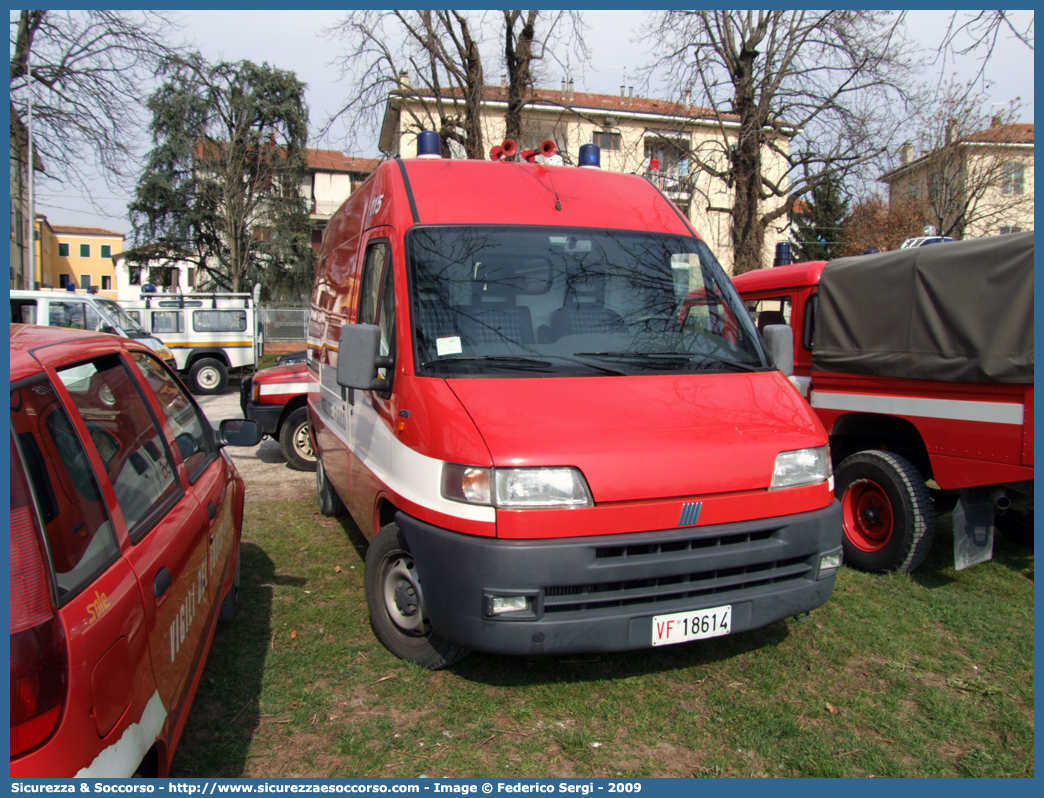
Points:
[[433, 62], [798, 97], [970, 176], [977, 33], [86, 70]]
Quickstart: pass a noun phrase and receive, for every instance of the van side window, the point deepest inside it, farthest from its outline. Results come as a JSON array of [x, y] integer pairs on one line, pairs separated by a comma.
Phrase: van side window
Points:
[[80, 536], [190, 433], [386, 316], [373, 271], [809, 331], [168, 321], [127, 438], [78, 315], [219, 320]]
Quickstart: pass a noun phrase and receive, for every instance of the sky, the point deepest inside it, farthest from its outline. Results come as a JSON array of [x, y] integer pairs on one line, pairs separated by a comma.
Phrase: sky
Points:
[[294, 40]]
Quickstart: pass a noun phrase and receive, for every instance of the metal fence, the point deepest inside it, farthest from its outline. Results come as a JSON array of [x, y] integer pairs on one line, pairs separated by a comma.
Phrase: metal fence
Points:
[[284, 324]]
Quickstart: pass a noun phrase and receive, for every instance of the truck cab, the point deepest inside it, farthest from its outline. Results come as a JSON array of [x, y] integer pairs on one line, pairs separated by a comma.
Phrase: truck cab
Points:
[[919, 363]]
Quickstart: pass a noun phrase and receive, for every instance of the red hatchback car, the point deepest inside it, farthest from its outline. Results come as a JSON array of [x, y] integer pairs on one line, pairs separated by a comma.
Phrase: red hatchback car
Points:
[[125, 523]]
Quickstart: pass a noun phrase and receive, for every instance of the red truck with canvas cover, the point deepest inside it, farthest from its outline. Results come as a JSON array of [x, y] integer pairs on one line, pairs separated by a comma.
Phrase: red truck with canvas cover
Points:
[[545, 456], [920, 364]]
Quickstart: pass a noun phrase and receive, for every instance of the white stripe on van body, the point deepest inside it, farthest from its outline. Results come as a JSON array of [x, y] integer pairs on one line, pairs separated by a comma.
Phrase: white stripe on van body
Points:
[[950, 409], [407, 472]]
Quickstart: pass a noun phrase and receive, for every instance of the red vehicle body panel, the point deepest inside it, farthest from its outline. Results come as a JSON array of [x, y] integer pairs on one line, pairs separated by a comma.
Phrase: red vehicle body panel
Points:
[[975, 433], [128, 688]]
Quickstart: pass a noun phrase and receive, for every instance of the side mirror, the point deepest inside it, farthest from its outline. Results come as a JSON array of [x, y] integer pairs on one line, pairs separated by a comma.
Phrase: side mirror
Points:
[[358, 358], [108, 328], [239, 432], [779, 340]]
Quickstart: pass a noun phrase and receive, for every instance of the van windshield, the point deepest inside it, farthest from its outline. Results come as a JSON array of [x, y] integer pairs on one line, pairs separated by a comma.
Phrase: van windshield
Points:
[[516, 301], [122, 320]]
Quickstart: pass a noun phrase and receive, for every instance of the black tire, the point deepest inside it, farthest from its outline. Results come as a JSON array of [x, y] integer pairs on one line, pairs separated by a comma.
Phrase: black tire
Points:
[[396, 604], [208, 376], [886, 511], [330, 503], [296, 443], [1016, 526], [230, 606]]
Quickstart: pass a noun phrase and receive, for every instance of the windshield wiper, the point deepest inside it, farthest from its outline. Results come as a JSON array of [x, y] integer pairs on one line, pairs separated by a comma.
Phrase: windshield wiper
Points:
[[689, 356], [501, 361]]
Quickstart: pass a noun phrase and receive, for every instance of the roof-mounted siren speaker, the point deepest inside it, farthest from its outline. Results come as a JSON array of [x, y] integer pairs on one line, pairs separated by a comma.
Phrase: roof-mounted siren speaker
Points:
[[428, 145], [529, 156], [548, 148], [510, 148], [496, 153], [590, 156]]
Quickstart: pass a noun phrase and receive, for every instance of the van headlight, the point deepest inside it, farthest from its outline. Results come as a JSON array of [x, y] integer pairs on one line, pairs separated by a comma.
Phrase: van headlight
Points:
[[801, 467], [516, 488]]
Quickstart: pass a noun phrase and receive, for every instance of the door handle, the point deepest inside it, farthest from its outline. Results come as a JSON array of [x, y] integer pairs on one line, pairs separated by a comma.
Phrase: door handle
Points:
[[161, 584], [211, 511]]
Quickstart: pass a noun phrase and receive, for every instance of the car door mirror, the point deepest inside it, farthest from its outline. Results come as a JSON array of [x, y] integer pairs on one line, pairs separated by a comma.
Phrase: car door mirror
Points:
[[239, 432], [779, 340], [358, 358]]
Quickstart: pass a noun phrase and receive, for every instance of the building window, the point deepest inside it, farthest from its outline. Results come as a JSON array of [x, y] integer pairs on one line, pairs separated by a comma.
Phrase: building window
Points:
[[106, 251], [85, 281], [63, 279], [1012, 178], [606, 140], [63, 250], [1009, 229], [106, 283], [191, 278], [134, 275], [85, 250]]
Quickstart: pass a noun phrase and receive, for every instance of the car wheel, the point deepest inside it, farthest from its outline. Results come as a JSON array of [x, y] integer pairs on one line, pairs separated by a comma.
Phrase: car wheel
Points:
[[886, 511], [330, 503], [208, 376], [230, 606], [296, 442], [396, 603], [1016, 526]]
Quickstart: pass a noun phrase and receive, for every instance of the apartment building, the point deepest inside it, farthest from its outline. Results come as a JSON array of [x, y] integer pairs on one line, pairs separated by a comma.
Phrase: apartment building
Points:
[[81, 256]]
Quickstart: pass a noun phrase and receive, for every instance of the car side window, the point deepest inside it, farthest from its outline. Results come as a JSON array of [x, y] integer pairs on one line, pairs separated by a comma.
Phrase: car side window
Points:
[[373, 271], [189, 426], [127, 438], [80, 538]]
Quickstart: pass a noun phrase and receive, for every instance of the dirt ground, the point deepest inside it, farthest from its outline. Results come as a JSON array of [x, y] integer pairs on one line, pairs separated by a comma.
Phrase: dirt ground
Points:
[[263, 468]]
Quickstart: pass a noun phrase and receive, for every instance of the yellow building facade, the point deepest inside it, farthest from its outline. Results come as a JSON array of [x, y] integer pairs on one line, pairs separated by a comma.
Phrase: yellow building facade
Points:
[[78, 255]]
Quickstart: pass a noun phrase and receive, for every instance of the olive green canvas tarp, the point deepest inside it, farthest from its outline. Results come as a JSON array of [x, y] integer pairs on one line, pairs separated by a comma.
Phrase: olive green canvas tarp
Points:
[[959, 312]]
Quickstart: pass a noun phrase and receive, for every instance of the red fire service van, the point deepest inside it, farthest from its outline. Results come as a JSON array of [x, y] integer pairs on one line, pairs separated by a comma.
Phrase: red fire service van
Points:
[[546, 452], [125, 523], [920, 364], [277, 398]]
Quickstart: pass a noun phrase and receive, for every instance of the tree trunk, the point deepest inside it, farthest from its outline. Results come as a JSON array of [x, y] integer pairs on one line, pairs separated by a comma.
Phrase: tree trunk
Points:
[[518, 55], [748, 229]]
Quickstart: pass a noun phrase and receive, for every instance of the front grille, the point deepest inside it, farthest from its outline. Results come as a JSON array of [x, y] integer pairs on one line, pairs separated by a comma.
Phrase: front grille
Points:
[[578, 598], [691, 544]]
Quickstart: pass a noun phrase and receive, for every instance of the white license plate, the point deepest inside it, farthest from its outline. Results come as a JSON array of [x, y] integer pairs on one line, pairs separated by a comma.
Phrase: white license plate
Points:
[[696, 625]]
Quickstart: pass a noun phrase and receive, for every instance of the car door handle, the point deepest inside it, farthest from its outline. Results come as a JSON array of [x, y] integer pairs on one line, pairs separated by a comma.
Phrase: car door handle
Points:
[[161, 584], [211, 511]]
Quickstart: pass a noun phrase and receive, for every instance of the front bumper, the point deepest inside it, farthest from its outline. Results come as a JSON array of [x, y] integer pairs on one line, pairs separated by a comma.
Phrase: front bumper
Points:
[[266, 415], [600, 593]]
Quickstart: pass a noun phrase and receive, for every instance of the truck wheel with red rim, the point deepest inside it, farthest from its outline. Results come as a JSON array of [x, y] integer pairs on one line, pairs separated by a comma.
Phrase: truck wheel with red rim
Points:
[[295, 441], [396, 604], [1016, 526], [208, 376], [887, 513]]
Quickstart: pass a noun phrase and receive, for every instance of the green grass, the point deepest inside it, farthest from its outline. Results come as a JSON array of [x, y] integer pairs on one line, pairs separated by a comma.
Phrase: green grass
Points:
[[929, 674]]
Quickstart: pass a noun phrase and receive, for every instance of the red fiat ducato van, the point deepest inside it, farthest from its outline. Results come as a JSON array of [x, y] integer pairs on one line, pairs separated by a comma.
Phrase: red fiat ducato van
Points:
[[549, 450]]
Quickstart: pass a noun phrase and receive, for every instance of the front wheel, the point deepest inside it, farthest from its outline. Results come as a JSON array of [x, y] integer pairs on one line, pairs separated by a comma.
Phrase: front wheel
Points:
[[886, 511], [208, 376], [396, 603], [296, 442]]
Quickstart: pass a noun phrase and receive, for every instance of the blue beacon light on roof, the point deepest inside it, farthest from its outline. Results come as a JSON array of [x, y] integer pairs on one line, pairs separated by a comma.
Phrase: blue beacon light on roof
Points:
[[428, 145], [590, 156]]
